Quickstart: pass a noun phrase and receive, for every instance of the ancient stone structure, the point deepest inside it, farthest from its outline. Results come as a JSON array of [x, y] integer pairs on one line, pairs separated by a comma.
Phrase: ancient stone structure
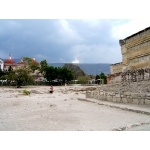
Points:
[[134, 92], [135, 52], [116, 68], [129, 81]]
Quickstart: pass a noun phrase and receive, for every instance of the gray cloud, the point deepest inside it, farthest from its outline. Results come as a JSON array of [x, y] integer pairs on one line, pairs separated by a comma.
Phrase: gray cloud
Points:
[[89, 41]]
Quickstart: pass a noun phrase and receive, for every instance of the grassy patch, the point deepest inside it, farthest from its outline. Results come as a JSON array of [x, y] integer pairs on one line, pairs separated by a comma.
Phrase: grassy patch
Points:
[[25, 92]]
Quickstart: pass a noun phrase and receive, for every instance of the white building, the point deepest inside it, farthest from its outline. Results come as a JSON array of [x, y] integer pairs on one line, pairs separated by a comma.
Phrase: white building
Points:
[[1, 64]]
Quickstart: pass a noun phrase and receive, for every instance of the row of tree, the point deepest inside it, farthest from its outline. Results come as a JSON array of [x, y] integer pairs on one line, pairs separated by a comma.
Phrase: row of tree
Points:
[[25, 75], [50, 73], [65, 74]]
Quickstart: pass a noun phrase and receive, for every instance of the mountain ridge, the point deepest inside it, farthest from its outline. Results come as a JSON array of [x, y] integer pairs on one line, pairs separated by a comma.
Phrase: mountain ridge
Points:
[[88, 68]]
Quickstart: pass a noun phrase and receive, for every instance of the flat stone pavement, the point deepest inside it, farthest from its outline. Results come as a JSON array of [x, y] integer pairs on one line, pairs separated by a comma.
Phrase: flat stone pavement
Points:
[[143, 109]]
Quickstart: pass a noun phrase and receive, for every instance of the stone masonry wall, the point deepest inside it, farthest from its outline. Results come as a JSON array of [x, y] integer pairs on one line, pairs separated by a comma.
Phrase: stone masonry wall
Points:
[[115, 68], [135, 51], [136, 93]]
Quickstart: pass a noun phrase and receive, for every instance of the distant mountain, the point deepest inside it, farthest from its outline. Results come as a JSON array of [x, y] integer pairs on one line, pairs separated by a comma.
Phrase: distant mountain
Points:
[[76, 70], [89, 69]]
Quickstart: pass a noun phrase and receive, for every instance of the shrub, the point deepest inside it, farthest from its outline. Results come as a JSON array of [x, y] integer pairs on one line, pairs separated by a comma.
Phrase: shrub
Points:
[[25, 92]]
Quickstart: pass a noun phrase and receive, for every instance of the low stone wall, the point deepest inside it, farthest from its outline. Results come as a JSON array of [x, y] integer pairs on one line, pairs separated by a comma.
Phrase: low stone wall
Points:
[[119, 97]]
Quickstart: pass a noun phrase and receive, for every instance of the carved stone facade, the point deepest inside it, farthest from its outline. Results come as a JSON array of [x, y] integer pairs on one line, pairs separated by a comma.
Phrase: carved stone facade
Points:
[[116, 68], [135, 52]]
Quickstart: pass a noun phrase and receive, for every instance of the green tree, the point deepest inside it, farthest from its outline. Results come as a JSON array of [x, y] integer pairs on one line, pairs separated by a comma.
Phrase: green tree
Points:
[[102, 76], [49, 73], [1, 73], [20, 77], [31, 63], [43, 66], [52, 73], [66, 75], [83, 79]]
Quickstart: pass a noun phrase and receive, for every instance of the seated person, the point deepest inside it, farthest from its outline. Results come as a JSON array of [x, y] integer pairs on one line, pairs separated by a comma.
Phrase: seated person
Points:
[[51, 89]]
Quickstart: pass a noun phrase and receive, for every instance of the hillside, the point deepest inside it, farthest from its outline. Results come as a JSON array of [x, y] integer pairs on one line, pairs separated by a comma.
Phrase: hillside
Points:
[[89, 69]]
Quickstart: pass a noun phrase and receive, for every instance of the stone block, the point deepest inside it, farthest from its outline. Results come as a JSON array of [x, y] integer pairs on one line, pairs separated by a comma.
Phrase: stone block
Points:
[[92, 94], [118, 99], [135, 101], [127, 93], [124, 100], [114, 99], [101, 97], [121, 96], [117, 95], [130, 100], [96, 94], [109, 98], [112, 94], [136, 95], [88, 94], [147, 101], [147, 95], [142, 101], [141, 94], [133, 95]]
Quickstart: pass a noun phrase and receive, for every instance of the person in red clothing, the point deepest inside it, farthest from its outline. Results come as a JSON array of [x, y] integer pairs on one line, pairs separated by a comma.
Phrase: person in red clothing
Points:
[[51, 89]]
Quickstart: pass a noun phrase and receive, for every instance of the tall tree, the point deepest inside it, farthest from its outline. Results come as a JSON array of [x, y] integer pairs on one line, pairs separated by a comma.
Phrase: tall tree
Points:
[[102, 76], [43, 66], [66, 75], [20, 77], [52, 73], [31, 63], [49, 73]]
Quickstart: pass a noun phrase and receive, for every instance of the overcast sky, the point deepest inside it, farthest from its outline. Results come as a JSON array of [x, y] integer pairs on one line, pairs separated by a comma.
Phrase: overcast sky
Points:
[[84, 41]]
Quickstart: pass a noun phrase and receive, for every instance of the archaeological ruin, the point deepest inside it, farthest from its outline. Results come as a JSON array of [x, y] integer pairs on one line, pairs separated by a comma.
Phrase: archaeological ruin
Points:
[[135, 63], [129, 81]]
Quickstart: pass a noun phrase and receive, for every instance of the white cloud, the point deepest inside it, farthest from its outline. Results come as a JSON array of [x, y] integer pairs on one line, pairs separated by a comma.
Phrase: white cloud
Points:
[[67, 33], [125, 29], [101, 53], [76, 61]]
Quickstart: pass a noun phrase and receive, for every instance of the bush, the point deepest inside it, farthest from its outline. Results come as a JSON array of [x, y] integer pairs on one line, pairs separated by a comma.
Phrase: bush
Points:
[[83, 80], [25, 92]]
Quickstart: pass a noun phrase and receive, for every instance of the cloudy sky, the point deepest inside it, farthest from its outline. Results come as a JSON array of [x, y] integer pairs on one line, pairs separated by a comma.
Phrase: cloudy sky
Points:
[[69, 30], [67, 40]]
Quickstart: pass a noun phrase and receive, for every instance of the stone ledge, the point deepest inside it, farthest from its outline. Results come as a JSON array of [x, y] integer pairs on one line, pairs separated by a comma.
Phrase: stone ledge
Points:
[[119, 106]]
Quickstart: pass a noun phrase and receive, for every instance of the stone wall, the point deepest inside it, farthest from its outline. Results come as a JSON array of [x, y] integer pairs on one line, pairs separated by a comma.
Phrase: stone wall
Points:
[[135, 51], [115, 68], [126, 97], [136, 93]]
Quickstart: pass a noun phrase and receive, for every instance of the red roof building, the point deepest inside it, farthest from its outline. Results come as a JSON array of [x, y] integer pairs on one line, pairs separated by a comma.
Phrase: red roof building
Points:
[[16, 63], [35, 62], [9, 62]]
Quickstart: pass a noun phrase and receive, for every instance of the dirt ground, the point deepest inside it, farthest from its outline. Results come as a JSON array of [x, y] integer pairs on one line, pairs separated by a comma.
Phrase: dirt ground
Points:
[[61, 111]]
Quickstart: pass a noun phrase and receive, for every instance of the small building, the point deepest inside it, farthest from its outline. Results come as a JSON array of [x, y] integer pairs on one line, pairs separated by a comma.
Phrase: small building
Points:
[[9, 63], [1, 64]]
